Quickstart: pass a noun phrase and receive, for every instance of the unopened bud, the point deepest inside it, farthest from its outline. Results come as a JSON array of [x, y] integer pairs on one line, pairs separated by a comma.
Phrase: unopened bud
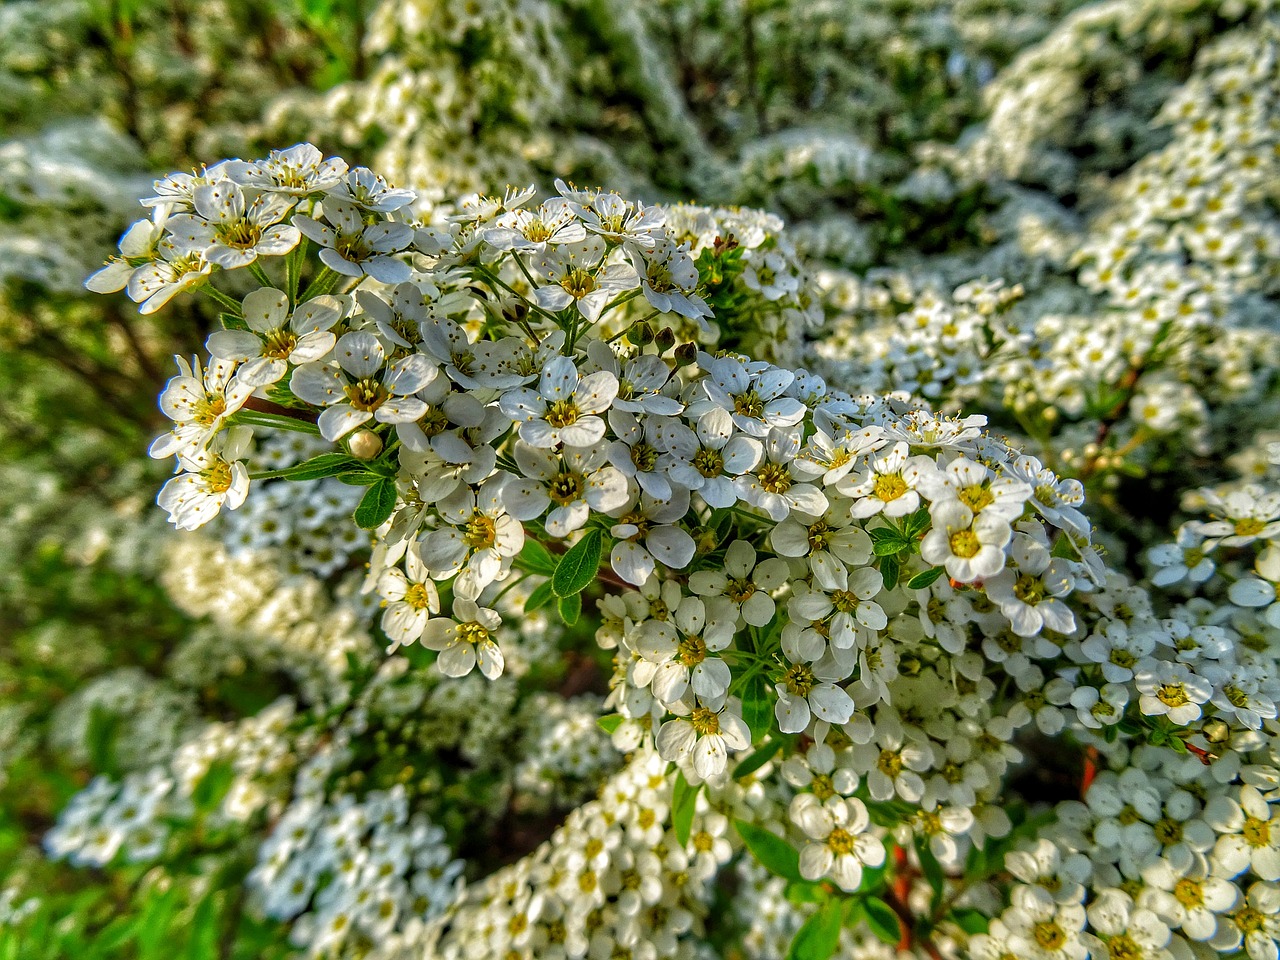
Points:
[[1215, 730], [364, 445], [686, 354], [665, 339], [640, 334]]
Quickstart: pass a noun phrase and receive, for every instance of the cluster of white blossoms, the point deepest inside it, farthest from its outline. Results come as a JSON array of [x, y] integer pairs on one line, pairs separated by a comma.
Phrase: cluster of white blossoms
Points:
[[862, 642]]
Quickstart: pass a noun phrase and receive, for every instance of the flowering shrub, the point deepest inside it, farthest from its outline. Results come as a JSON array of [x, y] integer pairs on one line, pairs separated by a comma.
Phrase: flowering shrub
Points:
[[566, 574]]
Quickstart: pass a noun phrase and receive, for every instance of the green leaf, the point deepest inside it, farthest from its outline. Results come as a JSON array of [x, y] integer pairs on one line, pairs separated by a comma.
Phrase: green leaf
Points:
[[970, 921], [535, 558], [757, 710], [889, 546], [882, 921], [325, 465], [924, 579], [915, 524], [777, 855], [376, 505], [540, 597], [757, 760], [213, 786], [684, 800], [1064, 549], [930, 866], [610, 723], [578, 567], [571, 608], [819, 938], [359, 479], [889, 569]]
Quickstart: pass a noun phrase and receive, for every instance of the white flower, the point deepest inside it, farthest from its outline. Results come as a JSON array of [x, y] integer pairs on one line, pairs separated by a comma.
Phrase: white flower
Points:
[[362, 397], [743, 582], [831, 542], [1098, 708], [619, 221], [889, 484], [844, 846], [969, 547], [298, 170], [572, 483], [354, 248], [892, 763], [532, 231], [156, 283], [649, 532], [273, 340], [577, 277], [709, 460], [230, 231], [1255, 924], [756, 402], [1186, 559], [773, 487], [410, 597], [199, 401], [805, 692], [465, 640], [706, 734], [1171, 689], [1028, 594], [1251, 837], [479, 537], [1040, 929], [211, 479], [1249, 513], [1122, 931], [679, 649], [668, 278], [367, 190], [975, 486], [564, 408]]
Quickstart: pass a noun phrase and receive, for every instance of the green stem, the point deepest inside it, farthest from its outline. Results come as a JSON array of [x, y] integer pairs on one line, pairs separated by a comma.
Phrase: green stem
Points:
[[293, 270], [322, 283], [254, 418], [221, 298], [260, 274]]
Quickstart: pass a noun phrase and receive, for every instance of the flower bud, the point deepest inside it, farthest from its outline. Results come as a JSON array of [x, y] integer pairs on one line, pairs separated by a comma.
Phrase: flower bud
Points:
[[640, 334], [686, 354], [1216, 730], [364, 444], [665, 339]]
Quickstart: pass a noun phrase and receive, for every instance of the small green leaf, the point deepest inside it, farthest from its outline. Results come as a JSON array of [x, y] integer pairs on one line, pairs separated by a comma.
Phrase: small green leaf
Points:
[[757, 710], [924, 579], [571, 608], [325, 465], [757, 760], [930, 866], [376, 505], [889, 569], [535, 558], [360, 478], [610, 723], [777, 855], [882, 921], [540, 597], [578, 567], [889, 546], [684, 801], [970, 921], [213, 786], [915, 524], [819, 938], [1064, 549]]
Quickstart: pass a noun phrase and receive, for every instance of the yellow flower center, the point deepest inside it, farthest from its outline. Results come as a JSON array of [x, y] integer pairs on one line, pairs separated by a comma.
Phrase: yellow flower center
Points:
[[471, 632], [775, 478], [976, 497], [562, 413], [888, 487], [367, 394], [965, 544], [708, 462], [749, 404], [691, 651], [840, 842], [566, 487], [481, 531], [704, 721], [417, 596], [800, 680]]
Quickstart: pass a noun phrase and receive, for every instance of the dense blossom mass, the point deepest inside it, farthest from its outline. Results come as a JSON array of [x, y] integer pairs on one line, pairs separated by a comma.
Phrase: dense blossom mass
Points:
[[603, 578]]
